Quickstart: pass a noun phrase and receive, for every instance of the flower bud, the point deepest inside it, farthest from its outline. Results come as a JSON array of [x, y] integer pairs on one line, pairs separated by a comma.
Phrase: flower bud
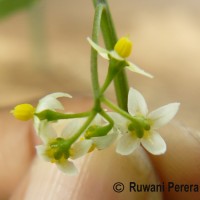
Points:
[[123, 47], [23, 112]]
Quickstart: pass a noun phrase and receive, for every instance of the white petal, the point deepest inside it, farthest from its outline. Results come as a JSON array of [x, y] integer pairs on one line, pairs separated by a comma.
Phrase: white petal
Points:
[[67, 167], [36, 124], [98, 120], [115, 55], [50, 102], [136, 103], [134, 68], [104, 141], [154, 143], [59, 94], [102, 52], [41, 152], [72, 127], [46, 131], [119, 122], [163, 115], [127, 144], [80, 148]]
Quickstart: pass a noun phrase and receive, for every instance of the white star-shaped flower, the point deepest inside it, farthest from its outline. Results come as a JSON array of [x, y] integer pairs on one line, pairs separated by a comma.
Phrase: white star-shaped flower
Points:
[[48, 102], [114, 54], [57, 148], [151, 139]]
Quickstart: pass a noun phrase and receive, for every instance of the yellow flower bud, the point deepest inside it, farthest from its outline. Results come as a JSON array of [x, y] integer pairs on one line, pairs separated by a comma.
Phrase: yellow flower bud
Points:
[[123, 47], [23, 112]]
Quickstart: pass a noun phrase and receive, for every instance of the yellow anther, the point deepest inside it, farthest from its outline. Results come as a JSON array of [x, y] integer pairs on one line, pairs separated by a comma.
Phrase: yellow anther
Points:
[[92, 148], [123, 47], [23, 112], [82, 138], [90, 131]]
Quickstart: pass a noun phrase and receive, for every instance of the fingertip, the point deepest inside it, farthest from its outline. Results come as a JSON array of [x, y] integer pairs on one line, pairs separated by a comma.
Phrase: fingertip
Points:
[[181, 163], [98, 173], [16, 152]]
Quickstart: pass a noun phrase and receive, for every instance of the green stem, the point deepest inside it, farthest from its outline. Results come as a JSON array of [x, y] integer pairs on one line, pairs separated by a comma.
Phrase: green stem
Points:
[[109, 77], [83, 128], [110, 39], [107, 26], [52, 115], [138, 124], [107, 117], [95, 34], [121, 88], [117, 109], [114, 68]]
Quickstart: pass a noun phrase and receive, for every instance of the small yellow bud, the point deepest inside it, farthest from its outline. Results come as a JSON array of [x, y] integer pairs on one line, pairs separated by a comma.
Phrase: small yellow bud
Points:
[[123, 47], [23, 112]]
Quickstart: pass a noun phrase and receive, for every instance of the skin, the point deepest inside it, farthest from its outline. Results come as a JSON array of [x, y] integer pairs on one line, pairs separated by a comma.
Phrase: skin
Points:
[[24, 176]]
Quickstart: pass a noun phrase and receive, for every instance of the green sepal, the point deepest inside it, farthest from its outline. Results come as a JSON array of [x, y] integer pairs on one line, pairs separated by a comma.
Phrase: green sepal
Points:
[[49, 115], [97, 131], [139, 132], [136, 128], [59, 147]]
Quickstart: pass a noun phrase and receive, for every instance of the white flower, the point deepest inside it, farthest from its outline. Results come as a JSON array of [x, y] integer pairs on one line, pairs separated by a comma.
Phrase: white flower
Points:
[[48, 102], [151, 140], [58, 149], [103, 141], [113, 54]]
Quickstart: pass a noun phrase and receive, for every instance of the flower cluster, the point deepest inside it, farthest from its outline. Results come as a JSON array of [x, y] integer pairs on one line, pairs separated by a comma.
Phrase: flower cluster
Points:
[[82, 133], [63, 146]]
